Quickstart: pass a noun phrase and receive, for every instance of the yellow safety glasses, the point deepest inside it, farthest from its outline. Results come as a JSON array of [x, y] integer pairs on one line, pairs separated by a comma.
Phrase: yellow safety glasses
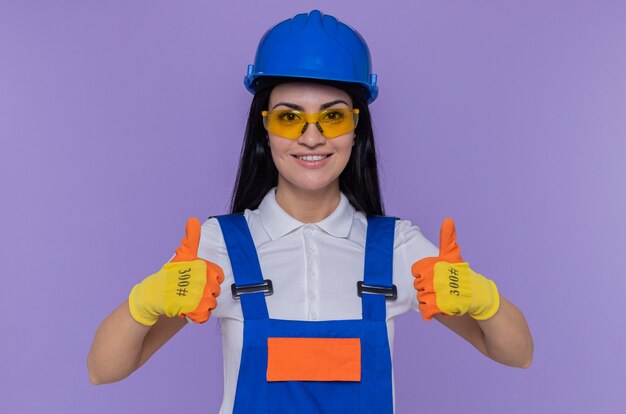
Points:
[[291, 124]]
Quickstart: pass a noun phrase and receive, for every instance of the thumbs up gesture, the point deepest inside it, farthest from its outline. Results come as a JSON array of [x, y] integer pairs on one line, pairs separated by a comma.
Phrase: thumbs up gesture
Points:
[[445, 284], [186, 286]]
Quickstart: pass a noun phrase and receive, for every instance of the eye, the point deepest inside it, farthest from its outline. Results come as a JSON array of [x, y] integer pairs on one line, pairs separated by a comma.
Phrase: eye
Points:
[[333, 115], [288, 116]]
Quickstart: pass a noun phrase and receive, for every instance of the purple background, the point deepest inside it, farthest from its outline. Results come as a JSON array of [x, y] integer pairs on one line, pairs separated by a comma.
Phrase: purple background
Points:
[[120, 119]]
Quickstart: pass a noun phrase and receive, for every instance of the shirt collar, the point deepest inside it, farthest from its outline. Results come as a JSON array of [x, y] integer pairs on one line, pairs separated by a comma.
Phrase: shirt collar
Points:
[[278, 223]]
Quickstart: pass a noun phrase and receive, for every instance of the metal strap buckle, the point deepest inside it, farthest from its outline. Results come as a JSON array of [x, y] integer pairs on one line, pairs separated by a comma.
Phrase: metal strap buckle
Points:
[[391, 293], [265, 287]]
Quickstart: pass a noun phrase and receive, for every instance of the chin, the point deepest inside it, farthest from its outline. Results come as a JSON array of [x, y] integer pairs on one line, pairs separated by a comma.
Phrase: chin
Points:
[[314, 185]]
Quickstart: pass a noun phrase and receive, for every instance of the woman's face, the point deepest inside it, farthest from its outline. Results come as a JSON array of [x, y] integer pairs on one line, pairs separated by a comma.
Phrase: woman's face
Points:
[[311, 162]]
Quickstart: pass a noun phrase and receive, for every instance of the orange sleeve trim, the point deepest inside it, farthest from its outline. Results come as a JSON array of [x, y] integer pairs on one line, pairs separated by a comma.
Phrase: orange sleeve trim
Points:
[[313, 359]]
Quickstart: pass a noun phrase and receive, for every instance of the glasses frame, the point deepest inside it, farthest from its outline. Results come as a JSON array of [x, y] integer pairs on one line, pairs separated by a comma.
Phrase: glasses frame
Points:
[[311, 118]]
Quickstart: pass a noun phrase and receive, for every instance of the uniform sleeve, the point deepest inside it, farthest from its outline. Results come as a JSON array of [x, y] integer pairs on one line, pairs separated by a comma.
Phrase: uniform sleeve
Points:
[[410, 245], [213, 248]]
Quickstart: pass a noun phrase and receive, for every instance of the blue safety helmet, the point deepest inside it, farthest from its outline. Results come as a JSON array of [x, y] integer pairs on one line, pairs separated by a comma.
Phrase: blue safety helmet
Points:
[[313, 46]]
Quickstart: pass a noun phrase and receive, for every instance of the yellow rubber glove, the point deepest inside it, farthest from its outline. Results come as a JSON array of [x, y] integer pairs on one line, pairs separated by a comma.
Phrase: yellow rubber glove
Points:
[[445, 284], [186, 286]]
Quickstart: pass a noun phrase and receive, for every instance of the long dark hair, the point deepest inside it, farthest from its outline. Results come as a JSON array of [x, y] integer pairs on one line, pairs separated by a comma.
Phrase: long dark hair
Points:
[[257, 173]]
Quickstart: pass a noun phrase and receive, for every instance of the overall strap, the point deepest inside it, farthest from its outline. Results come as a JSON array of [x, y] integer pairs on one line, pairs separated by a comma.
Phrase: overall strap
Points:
[[378, 273], [245, 264]]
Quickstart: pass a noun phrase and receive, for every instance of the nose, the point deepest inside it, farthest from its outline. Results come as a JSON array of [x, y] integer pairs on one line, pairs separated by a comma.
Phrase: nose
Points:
[[312, 135]]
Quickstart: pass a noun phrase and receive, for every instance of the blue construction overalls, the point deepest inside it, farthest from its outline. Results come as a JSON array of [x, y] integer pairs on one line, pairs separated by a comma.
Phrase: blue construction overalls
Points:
[[372, 391]]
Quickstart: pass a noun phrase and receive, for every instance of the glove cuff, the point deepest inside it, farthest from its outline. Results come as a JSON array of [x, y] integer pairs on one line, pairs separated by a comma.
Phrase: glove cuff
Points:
[[486, 299], [137, 311]]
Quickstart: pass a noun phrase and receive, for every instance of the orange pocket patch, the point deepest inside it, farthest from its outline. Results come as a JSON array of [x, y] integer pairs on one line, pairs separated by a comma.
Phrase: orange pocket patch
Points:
[[313, 359]]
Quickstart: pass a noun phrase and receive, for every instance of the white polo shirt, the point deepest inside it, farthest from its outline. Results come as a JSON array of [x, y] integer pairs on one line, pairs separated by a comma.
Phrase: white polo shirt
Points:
[[314, 269]]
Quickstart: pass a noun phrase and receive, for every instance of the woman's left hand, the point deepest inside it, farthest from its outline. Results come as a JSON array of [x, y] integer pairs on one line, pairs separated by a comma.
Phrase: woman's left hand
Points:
[[445, 284]]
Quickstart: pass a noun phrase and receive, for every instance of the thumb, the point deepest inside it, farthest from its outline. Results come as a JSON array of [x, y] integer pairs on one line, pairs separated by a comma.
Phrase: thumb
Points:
[[448, 246], [188, 249]]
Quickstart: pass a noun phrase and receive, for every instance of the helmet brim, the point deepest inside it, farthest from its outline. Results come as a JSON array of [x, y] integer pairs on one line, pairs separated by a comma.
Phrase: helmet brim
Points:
[[354, 89]]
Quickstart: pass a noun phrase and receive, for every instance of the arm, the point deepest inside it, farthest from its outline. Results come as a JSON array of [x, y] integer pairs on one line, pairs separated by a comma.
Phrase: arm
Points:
[[122, 345], [187, 285], [470, 304], [505, 337]]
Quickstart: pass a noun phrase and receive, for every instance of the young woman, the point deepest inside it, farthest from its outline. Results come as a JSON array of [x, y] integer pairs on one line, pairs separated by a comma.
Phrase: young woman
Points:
[[311, 273]]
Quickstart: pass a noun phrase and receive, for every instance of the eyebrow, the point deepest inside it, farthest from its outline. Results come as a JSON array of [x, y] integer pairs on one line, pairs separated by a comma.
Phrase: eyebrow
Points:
[[322, 107]]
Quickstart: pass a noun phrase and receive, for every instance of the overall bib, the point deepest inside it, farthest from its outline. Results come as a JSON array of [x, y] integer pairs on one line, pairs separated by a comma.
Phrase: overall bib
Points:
[[339, 366]]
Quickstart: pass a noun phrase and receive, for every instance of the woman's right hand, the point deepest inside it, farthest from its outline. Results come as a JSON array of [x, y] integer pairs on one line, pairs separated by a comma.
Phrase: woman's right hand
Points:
[[446, 284], [186, 286]]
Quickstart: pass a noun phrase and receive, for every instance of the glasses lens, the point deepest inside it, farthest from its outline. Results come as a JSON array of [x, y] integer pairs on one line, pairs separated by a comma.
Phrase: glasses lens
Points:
[[285, 123], [335, 122]]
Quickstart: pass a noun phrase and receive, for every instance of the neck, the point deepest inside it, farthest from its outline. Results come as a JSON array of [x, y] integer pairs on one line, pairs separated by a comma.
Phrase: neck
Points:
[[307, 206]]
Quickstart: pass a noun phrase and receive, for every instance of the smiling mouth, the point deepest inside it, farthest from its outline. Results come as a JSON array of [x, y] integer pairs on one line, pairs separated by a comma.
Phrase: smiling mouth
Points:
[[311, 157]]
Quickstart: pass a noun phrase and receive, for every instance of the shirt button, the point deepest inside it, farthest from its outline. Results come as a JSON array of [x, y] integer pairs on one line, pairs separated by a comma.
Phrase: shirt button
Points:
[[312, 249], [314, 316], [308, 230], [312, 295]]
